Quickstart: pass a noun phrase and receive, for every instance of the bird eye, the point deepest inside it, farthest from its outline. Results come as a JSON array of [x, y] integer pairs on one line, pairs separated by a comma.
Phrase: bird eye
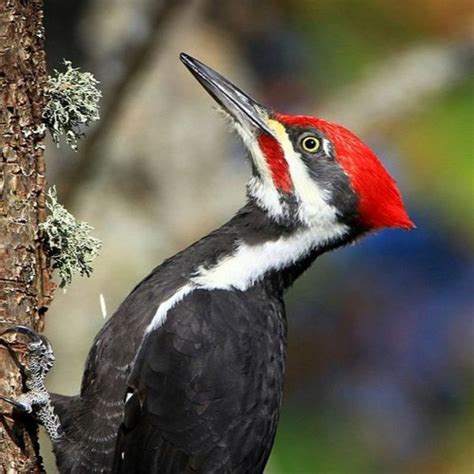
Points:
[[310, 144]]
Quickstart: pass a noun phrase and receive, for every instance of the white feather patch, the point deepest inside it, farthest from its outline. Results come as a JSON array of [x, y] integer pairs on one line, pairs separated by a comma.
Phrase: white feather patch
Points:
[[267, 198], [249, 263], [327, 146], [162, 311]]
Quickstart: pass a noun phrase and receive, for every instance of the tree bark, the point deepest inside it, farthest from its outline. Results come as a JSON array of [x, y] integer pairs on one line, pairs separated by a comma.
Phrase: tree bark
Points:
[[25, 277]]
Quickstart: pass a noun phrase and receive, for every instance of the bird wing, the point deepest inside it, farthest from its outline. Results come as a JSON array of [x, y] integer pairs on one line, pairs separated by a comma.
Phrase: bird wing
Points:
[[191, 408]]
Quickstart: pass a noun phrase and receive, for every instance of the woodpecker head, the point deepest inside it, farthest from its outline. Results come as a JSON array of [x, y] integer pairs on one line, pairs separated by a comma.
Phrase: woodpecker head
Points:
[[307, 172]]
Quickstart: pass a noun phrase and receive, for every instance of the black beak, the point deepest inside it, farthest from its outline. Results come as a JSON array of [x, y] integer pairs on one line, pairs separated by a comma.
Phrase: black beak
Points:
[[248, 113]]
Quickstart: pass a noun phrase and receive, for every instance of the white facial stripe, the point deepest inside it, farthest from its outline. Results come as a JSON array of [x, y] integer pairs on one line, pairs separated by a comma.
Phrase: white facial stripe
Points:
[[250, 263], [314, 207]]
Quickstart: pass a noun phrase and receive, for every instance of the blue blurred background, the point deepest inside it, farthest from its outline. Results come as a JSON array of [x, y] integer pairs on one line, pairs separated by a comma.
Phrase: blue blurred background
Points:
[[381, 334]]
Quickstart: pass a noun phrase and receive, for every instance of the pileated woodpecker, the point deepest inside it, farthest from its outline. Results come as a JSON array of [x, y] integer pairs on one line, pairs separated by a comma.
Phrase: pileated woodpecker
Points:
[[187, 375]]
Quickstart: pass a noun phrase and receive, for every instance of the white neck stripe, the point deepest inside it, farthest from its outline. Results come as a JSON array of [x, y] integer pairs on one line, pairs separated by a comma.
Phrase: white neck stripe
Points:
[[249, 264]]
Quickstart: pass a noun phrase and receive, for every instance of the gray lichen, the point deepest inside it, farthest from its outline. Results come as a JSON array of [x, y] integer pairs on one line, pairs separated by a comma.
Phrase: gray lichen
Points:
[[67, 241], [72, 101]]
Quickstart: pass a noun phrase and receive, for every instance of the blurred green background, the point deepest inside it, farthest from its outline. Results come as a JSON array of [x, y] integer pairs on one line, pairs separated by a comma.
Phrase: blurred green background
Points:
[[381, 335]]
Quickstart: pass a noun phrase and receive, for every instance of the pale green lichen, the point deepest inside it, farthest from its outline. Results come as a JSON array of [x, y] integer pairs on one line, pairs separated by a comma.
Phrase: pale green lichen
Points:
[[72, 101], [67, 241]]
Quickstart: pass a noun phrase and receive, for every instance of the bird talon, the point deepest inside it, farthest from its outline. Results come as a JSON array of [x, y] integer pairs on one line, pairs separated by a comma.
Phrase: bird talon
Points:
[[38, 350], [35, 337], [39, 360]]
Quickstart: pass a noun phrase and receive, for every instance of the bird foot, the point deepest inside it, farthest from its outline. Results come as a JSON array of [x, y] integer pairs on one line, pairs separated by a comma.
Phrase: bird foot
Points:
[[36, 400]]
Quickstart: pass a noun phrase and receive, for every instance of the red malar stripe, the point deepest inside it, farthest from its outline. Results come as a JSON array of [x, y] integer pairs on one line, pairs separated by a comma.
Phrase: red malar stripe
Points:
[[275, 159]]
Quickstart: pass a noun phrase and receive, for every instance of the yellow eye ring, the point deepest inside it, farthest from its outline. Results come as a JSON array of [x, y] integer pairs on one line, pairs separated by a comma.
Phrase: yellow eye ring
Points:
[[310, 144]]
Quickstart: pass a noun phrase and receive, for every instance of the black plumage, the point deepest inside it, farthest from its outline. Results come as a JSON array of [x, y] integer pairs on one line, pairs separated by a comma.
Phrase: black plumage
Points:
[[208, 387], [234, 340]]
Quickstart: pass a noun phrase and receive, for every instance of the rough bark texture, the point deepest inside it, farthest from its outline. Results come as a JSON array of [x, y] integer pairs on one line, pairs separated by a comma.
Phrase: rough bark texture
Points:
[[25, 284]]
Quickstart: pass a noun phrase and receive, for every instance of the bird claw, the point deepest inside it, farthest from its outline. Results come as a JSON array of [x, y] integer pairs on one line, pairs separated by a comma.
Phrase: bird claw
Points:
[[40, 354], [40, 359], [34, 336], [36, 400]]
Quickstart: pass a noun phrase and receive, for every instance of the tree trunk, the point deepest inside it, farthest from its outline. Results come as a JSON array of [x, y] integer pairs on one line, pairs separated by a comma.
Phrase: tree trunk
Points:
[[25, 277]]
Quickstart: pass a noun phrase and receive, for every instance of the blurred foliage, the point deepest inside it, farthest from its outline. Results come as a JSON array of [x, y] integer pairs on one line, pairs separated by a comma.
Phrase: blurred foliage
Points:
[[322, 442], [343, 45], [438, 146]]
